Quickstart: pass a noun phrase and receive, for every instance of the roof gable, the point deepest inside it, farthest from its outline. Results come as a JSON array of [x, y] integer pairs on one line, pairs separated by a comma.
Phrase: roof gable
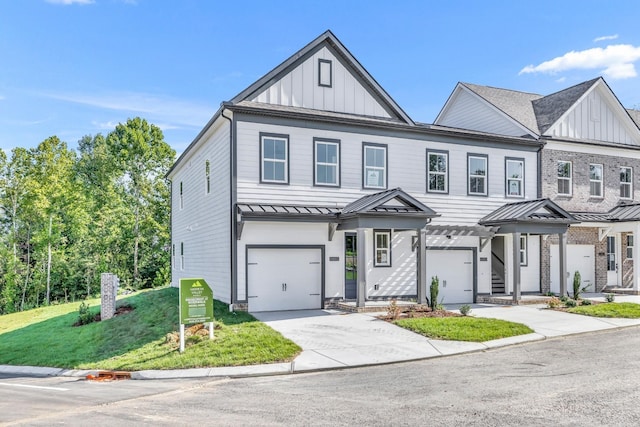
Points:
[[535, 211], [352, 90], [389, 201], [550, 108]]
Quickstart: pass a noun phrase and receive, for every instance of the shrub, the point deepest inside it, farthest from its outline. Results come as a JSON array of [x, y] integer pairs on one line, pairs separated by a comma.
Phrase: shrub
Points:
[[570, 303], [554, 302], [84, 314], [610, 297], [577, 290], [563, 298], [465, 309], [586, 302], [433, 302], [393, 311]]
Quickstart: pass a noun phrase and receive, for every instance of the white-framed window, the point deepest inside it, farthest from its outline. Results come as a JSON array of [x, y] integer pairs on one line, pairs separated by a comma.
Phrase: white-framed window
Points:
[[595, 180], [325, 73], [181, 255], [181, 197], [523, 250], [274, 159], [327, 162], [477, 174], [564, 177], [207, 175], [382, 248], [629, 246], [374, 167], [626, 182], [437, 171], [514, 177]]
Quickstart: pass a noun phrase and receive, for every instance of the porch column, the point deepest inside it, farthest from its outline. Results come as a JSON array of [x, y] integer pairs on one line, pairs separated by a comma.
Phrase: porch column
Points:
[[516, 268], [562, 258], [361, 268], [636, 257], [422, 266]]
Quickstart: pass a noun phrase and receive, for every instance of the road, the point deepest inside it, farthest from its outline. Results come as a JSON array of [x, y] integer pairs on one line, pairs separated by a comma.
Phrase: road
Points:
[[587, 379]]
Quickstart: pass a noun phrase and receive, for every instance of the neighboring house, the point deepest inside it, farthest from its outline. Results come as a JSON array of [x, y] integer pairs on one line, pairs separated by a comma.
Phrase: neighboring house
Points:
[[312, 187], [589, 166]]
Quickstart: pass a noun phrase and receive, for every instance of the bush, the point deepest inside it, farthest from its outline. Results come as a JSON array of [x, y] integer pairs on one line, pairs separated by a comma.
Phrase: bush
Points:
[[610, 297], [465, 310], [554, 302], [84, 314], [563, 298], [393, 311], [433, 301], [570, 303], [586, 302]]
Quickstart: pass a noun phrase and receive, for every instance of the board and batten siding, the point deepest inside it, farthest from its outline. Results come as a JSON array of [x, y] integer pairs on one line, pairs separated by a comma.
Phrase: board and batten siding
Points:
[[203, 223], [472, 113], [593, 118], [406, 169], [300, 88]]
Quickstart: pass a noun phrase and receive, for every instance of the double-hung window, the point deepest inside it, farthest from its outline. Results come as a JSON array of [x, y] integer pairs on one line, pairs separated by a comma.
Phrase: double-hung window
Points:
[[181, 255], [327, 162], [274, 159], [523, 249], [595, 180], [514, 177], [564, 178], [181, 197], [477, 174], [626, 182], [437, 171], [382, 248], [374, 166], [629, 246]]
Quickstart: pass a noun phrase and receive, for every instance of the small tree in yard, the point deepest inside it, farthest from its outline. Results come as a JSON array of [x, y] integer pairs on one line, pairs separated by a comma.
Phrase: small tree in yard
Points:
[[577, 290], [433, 301]]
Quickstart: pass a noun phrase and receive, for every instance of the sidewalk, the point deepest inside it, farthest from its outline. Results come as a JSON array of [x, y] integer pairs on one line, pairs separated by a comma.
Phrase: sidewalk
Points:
[[332, 339]]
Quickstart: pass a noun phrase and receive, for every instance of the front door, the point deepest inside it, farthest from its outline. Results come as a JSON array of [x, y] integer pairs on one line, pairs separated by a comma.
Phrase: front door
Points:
[[612, 262], [350, 266]]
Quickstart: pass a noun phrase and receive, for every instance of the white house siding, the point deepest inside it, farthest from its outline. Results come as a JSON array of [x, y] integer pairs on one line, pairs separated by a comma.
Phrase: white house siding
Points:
[[407, 170], [400, 278], [596, 117], [472, 113], [294, 233], [299, 88], [203, 222]]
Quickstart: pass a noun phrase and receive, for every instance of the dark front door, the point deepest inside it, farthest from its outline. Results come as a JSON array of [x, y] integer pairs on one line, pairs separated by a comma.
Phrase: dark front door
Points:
[[350, 264]]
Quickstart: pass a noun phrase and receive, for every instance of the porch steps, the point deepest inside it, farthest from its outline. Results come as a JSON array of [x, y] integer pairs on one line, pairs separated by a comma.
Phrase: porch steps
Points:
[[372, 306], [508, 299]]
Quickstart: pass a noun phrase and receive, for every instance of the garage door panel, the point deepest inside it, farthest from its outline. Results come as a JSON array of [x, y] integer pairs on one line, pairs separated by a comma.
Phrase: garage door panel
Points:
[[284, 279], [454, 269]]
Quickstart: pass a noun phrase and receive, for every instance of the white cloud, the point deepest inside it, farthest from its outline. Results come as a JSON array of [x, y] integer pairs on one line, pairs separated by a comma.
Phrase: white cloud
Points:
[[68, 2], [614, 61], [603, 38]]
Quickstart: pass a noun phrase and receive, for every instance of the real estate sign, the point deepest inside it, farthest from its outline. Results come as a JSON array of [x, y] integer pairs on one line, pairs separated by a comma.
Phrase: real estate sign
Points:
[[196, 301]]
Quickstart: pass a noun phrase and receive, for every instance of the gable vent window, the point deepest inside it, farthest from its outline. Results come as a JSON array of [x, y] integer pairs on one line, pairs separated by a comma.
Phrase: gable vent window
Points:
[[324, 72]]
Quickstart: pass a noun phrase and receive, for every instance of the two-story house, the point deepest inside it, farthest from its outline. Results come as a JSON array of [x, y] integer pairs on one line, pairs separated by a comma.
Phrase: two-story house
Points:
[[313, 187], [588, 166]]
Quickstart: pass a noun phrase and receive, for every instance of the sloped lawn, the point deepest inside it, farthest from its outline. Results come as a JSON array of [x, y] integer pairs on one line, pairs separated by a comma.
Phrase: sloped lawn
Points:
[[627, 310], [463, 328]]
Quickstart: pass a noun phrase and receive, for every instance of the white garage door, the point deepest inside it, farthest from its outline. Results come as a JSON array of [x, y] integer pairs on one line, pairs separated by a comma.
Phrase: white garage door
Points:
[[454, 268], [284, 279], [579, 258]]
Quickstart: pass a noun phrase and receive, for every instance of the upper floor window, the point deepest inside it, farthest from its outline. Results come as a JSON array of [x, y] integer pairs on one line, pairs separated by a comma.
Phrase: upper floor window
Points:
[[327, 162], [382, 248], [274, 158], [374, 166], [207, 173], [173, 255], [564, 177], [595, 180], [324, 72], [437, 171], [181, 197], [626, 180], [477, 174], [515, 177]]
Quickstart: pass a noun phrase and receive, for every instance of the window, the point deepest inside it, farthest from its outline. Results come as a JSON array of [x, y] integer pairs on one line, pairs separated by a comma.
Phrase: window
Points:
[[173, 255], [611, 253], [595, 180], [477, 174], [181, 197], [523, 250], [274, 164], [564, 178], [324, 73], [375, 166], [181, 255], [437, 172], [382, 248], [514, 177], [207, 172], [626, 186], [327, 162], [629, 246]]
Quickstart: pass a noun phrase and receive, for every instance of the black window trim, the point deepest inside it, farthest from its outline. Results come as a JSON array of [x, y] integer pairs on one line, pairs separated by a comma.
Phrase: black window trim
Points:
[[389, 232], [486, 177], [445, 152], [261, 159], [386, 165], [506, 178], [338, 174], [325, 61]]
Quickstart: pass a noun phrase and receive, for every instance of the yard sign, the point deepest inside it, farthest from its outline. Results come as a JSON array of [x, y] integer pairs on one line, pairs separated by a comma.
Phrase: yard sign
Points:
[[196, 305]]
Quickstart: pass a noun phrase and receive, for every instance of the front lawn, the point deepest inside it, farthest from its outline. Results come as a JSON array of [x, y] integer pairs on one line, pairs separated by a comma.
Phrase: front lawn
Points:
[[626, 310], [463, 328], [141, 339]]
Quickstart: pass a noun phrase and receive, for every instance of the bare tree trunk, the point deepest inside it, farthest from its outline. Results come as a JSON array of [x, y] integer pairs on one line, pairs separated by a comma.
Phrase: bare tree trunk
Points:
[[49, 261], [136, 233], [26, 277]]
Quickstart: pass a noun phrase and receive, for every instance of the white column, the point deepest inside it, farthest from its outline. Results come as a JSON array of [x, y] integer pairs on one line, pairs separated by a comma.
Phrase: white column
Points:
[[361, 268], [421, 266], [562, 259], [636, 256]]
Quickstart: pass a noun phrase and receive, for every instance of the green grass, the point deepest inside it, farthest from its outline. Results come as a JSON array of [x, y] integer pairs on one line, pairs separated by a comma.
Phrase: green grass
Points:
[[626, 310], [136, 340], [463, 328]]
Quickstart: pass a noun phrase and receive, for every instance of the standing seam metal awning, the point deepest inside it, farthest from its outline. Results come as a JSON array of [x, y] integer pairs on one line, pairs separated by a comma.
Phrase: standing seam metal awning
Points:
[[540, 216]]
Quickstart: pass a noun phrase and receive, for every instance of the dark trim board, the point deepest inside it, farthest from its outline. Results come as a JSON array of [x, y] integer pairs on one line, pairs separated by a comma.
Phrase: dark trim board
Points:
[[474, 252], [269, 246]]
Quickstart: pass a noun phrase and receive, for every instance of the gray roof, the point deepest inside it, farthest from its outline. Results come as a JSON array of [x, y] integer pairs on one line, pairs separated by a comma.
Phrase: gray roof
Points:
[[377, 203], [268, 210], [536, 211], [635, 116], [624, 212]]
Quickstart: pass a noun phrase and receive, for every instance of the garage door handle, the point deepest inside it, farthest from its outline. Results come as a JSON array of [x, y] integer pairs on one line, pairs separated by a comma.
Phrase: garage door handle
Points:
[[314, 262], [284, 287], [314, 294], [252, 296]]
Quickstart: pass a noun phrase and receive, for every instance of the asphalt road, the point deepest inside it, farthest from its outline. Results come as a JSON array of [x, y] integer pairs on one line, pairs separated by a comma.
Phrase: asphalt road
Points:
[[587, 379]]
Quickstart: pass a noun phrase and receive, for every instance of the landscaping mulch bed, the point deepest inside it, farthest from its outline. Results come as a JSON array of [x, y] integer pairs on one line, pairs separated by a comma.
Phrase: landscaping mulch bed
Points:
[[418, 311]]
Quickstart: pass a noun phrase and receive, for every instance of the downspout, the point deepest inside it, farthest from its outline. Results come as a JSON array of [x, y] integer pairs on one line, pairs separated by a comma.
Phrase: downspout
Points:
[[232, 232]]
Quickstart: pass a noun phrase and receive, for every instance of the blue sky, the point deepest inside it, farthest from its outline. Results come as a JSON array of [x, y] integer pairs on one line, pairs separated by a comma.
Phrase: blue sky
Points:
[[78, 67]]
